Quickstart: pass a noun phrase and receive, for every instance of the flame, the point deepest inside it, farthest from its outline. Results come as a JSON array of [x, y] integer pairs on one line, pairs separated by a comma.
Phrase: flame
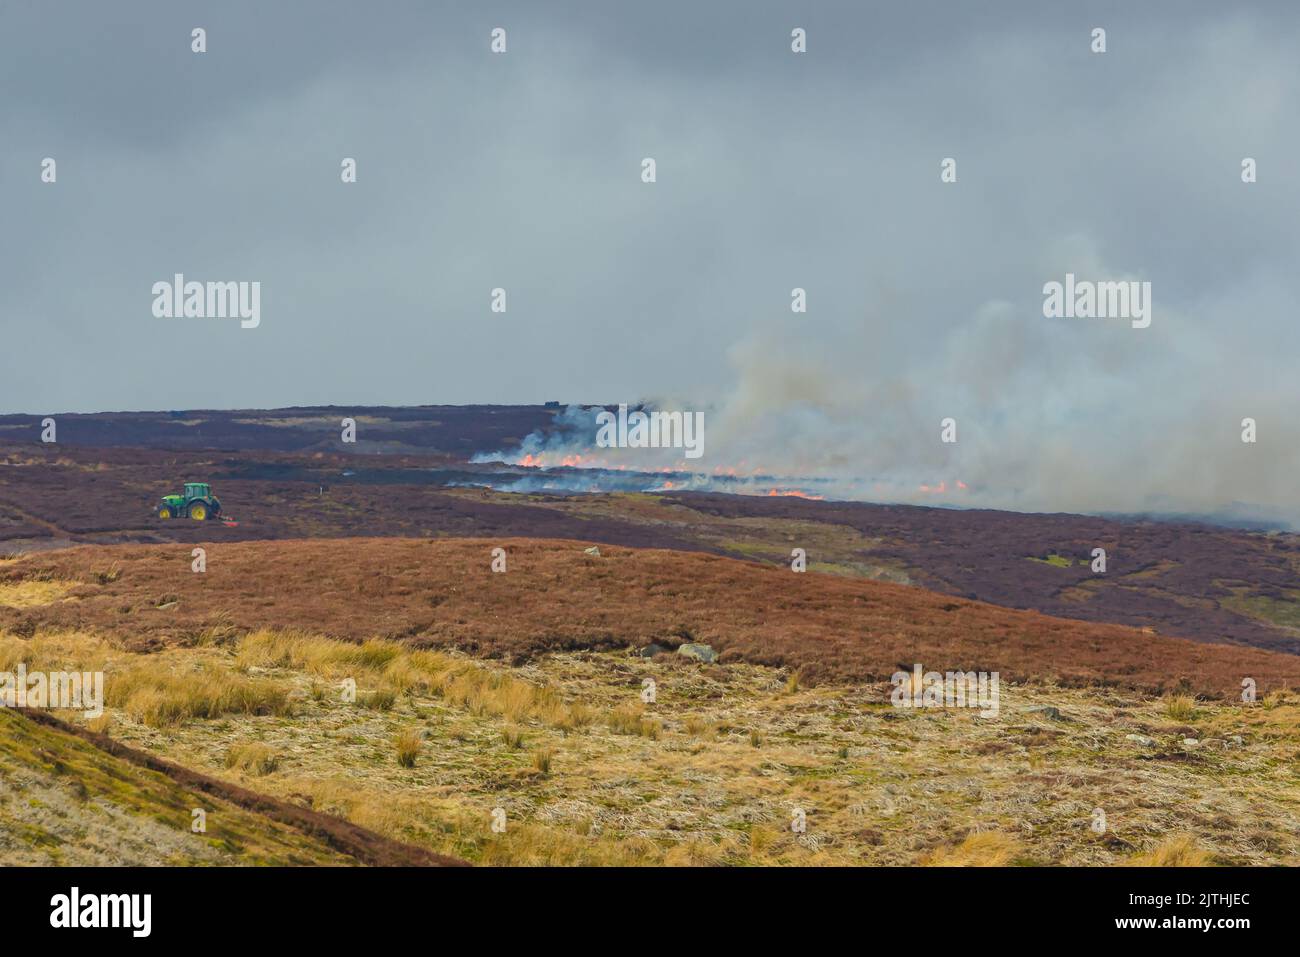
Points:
[[941, 488], [794, 493]]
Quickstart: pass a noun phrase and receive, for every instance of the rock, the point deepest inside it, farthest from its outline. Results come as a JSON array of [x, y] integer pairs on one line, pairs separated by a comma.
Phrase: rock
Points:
[[591, 551], [699, 652], [1190, 743], [650, 650], [168, 606], [1141, 739], [1236, 741], [1047, 711]]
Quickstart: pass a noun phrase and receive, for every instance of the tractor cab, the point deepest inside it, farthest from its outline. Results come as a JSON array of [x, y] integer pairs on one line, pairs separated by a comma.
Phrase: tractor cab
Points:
[[195, 490]]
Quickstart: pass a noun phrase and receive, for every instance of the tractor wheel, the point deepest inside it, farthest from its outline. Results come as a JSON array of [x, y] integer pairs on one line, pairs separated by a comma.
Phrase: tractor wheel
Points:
[[164, 512], [198, 511]]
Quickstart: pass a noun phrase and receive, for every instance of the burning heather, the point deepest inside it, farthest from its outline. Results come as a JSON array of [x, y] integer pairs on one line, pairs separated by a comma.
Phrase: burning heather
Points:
[[578, 453]]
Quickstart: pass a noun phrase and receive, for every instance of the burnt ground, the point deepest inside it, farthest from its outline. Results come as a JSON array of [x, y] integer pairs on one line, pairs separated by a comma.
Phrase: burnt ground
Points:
[[459, 430]]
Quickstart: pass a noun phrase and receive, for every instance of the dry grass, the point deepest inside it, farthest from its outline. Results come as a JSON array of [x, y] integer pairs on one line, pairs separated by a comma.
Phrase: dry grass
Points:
[[1178, 850], [407, 744], [156, 696], [404, 671], [33, 592], [160, 700], [101, 725], [985, 849], [382, 700], [542, 758], [696, 726], [1180, 707], [252, 757], [710, 773], [630, 719]]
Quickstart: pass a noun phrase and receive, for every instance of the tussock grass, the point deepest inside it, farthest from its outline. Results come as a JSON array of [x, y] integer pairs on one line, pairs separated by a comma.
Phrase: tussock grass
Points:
[[407, 743], [696, 727], [53, 652], [630, 719], [252, 757], [1282, 696], [1177, 850], [761, 842], [403, 671], [141, 687], [219, 631], [1180, 707], [700, 853], [382, 700], [983, 849], [542, 759], [106, 576], [161, 699]]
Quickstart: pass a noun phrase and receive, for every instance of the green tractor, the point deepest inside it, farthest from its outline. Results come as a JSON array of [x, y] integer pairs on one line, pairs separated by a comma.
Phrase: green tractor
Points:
[[198, 503]]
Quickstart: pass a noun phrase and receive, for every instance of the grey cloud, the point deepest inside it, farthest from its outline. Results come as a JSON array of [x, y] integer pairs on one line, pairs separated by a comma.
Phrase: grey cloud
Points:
[[775, 171]]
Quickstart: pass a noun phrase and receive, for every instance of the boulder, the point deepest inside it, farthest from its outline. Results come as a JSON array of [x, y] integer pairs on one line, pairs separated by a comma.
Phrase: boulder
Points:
[[591, 551], [699, 652]]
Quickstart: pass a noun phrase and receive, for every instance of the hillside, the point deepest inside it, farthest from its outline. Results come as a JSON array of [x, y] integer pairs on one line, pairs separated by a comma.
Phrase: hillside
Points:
[[73, 797], [1207, 583], [441, 593], [561, 760]]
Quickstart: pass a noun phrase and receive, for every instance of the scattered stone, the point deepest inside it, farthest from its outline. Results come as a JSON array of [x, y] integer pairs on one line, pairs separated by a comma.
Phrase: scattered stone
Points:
[[1190, 743], [1236, 740], [699, 652], [591, 551], [650, 650], [1141, 739], [1047, 711]]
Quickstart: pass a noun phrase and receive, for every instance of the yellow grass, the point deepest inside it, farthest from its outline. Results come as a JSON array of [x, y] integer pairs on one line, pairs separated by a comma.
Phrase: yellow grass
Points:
[[161, 699], [404, 671], [880, 787], [542, 758], [253, 757], [407, 743], [1178, 850], [985, 849], [29, 593]]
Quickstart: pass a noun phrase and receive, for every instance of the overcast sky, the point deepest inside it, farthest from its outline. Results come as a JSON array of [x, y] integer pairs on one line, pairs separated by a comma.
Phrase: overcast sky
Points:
[[775, 170]]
